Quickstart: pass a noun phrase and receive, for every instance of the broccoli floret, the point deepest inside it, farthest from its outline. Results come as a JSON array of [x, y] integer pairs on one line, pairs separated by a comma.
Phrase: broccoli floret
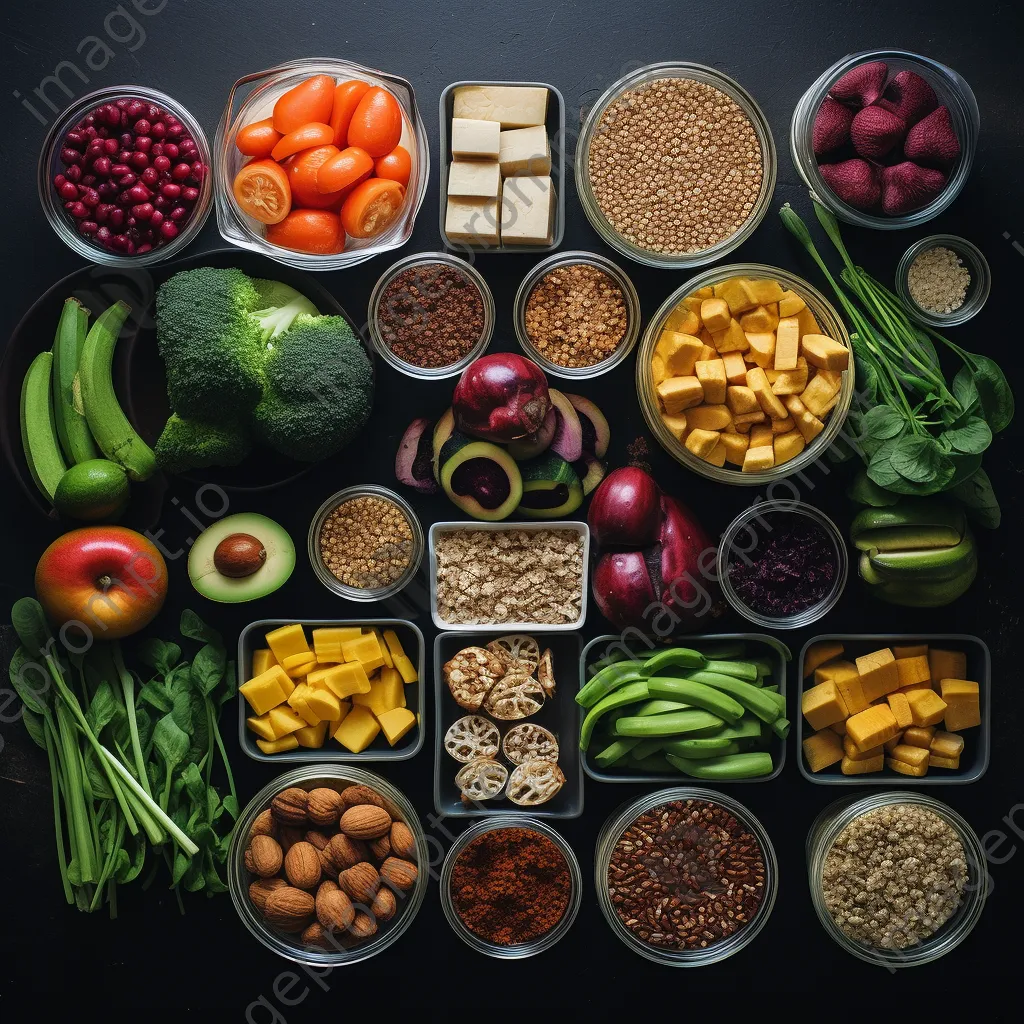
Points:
[[279, 305], [319, 389], [191, 444]]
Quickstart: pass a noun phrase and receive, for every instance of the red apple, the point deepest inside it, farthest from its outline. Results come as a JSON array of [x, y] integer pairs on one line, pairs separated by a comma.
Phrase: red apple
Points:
[[110, 580], [622, 588], [625, 510]]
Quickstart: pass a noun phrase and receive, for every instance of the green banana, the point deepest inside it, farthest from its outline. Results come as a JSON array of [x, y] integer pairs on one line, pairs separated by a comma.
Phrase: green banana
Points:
[[925, 523], [934, 564]]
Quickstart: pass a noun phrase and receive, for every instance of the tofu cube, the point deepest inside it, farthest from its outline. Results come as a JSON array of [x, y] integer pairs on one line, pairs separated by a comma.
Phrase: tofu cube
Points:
[[908, 754], [760, 435], [926, 707], [679, 393], [872, 727], [874, 764], [717, 455], [757, 381], [732, 339], [787, 446], [709, 417], [787, 343], [806, 422], [808, 325], [659, 371], [683, 319], [821, 653], [784, 426], [679, 351], [741, 399], [919, 736], [524, 151], [735, 447], [878, 674], [759, 321], [822, 705], [789, 382], [900, 707], [946, 744], [848, 683], [512, 106], [746, 420], [735, 367], [475, 138], [934, 761], [819, 397], [527, 211], [790, 303], [480, 178], [711, 375], [677, 425], [820, 350], [910, 651], [913, 670], [944, 664], [963, 702], [472, 220], [851, 750], [761, 348], [916, 770], [714, 314], [702, 442], [763, 290], [735, 293]]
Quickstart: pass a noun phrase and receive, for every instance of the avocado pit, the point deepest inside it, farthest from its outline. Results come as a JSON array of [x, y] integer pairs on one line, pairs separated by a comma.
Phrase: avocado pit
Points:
[[239, 555]]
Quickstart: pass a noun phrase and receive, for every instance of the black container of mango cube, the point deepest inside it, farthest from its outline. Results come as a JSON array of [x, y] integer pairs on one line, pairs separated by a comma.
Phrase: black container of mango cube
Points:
[[369, 708]]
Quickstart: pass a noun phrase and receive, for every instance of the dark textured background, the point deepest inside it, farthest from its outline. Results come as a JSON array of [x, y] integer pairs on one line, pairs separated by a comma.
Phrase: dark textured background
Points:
[[150, 958]]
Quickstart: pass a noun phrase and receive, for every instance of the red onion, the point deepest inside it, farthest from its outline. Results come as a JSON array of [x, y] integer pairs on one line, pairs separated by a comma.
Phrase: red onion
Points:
[[501, 397]]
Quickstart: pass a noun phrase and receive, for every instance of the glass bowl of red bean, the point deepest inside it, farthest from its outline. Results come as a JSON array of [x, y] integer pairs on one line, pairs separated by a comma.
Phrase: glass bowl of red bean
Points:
[[124, 178]]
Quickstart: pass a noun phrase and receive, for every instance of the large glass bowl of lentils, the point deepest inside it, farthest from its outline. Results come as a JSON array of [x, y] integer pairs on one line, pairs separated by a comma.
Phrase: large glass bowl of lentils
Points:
[[675, 165]]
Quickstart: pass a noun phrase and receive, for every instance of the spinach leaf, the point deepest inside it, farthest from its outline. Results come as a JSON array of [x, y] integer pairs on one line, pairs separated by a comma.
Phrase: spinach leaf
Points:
[[230, 804], [194, 880], [993, 391], [135, 861], [159, 654], [880, 468], [195, 785], [965, 391], [156, 694], [214, 883], [195, 629], [208, 668], [102, 708], [29, 622], [980, 499], [97, 777], [865, 491], [230, 687], [35, 727], [972, 437], [921, 461], [882, 423], [31, 681], [171, 741]]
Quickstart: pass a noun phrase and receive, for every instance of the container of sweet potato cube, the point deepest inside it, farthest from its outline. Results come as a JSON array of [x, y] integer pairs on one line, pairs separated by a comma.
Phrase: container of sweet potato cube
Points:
[[252, 638], [977, 666]]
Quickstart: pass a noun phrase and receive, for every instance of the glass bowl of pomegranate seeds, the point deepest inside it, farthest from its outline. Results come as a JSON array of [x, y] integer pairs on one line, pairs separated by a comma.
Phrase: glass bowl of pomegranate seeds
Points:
[[124, 176]]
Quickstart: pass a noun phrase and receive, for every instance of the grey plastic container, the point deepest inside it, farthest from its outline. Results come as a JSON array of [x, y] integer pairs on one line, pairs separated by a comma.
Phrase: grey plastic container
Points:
[[977, 742], [560, 715], [555, 126], [252, 638], [776, 648]]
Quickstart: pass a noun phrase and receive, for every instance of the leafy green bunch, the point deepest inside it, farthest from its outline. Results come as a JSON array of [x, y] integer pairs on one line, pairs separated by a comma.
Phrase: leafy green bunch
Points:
[[917, 434]]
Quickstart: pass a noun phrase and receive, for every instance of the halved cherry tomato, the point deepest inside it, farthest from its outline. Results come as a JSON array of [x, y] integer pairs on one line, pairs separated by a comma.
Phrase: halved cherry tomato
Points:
[[316, 133], [376, 124], [396, 166], [315, 231], [311, 100], [372, 207], [349, 167], [346, 99], [261, 189], [257, 139], [302, 169]]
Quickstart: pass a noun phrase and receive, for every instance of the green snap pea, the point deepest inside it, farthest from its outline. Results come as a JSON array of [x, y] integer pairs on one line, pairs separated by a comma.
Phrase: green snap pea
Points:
[[614, 752], [745, 670], [728, 767], [628, 694], [671, 724], [695, 692], [700, 747], [674, 657], [608, 680], [764, 705]]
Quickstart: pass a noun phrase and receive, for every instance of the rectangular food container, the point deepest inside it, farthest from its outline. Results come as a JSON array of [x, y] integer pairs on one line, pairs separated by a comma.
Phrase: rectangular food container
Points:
[[977, 742], [508, 627], [777, 650], [555, 127], [252, 638], [560, 715]]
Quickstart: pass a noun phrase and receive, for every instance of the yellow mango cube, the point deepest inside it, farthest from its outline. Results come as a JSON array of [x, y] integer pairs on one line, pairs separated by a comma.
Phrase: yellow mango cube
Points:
[[822, 749], [262, 726], [789, 382], [963, 702], [328, 654], [819, 396], [734, 292], [756, 460], [874, 764], [839, 728], [945, 664], [396, 723], [900, 707], [890, 745], [345, 680], [335, 634], [267, 690], [684, 319], [278, 746], [709, 417], [711, 377], [848, 684], [926, 707], [324, 703], [934, 761], [717, 455], [365, 650], [284, 720], [677, 425], [910, 651], [262, 659], [715, 314], [760, 320], [732, 339], [878, 674], [909, 754], [760, 434], [297, 701], [821, 350], [788, 446], [763, 291], [702, 442], [679, 352], [386, 693], [287, 641], [854, 753], [757, 381], [735, 446], [761, 345], [822, 705], [820, 653], [913, 670], [919, 736], [946, 744], [406, 669], [872, 727], [297, 665], [745, 421], [677, 394], [312, 736], [659, 371], [358, 730], [915, 770], [735, 367], [741, 399], [790, 303]]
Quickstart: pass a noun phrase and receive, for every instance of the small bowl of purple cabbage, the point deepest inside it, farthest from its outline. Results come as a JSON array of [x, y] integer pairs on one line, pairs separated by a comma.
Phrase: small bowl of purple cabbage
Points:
[[782, 564]]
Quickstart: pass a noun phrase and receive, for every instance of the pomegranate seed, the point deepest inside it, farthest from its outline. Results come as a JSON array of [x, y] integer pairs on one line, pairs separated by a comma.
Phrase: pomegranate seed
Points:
[[131, 225], [168, 230], [153, 112], [91, 198], [141, 127], [150, 176], [139, 193], [101, 166], [156, 218], [58, 181], [104, 234], [127, 180], [73, 173], [117, 217], [139, 161], [175, 130], [143, 144], [102, 212], [126, 140], [70, 157], [159, 130], [107, 189], [157, 149], [87, 227], [124, 156], [118, 169], [89, 120], [179, 172], [145, 247], [77, 210], [75, 139], [171, 150], [112, 115], [129, 247], [162, 163], [123, 103], [163, 203], [170, 189], [188, 148], [136, 108], [178, 213], [89, 180], [190, 194], [110, 146], [143, 211], [68, 192]]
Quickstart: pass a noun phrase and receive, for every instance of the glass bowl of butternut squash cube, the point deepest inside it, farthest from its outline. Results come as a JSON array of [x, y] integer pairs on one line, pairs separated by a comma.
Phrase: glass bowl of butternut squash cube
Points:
[[745, 374], [327, 690]]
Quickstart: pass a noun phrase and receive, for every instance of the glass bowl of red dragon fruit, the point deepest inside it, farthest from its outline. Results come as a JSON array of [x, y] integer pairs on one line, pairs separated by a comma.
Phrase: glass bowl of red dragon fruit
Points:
[[124, 176], [886, 138]]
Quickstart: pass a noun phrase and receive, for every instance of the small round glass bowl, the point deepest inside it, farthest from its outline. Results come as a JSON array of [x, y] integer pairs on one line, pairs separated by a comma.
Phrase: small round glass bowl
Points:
[[329, 580], [50, 165], [644, 76], [424, 260], [617, 824], [522, 949], [827, 828], [749, 526], [829, 322], [251, 99], [629, 296], [950, 89], [977, 290], [337, 777]]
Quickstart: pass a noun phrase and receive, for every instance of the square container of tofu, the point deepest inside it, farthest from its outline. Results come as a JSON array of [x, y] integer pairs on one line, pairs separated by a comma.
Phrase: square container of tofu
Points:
[[906, 710], [494, 749], [503, 166]]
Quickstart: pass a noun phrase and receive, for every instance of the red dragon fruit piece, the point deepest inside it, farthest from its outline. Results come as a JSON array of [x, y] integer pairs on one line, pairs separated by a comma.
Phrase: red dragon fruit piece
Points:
[[862, 85], [933, 140], [908, 186], [831, 126], [854, 181], [909, 96], [876, 132]]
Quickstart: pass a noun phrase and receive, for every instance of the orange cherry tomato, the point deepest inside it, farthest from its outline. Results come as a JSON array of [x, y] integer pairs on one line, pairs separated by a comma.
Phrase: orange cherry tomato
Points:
[[261, 189], [349, 167], [311, 100], [257, 139], [316, 133], [346, 99], [396, 166], [376, 124], [315, 231], [302, 169], [372, 207]]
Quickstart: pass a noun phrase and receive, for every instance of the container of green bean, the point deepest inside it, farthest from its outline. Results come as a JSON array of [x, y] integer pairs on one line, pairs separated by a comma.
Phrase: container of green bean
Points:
[[710, 707]]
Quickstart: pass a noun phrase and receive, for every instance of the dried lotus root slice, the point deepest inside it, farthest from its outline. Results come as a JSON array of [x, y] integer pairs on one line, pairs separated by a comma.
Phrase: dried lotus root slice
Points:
[[517, 651], [529, 742], [472, 737], [471, 674], [515, 695], [534, 782], [546, 672], [482, 779]]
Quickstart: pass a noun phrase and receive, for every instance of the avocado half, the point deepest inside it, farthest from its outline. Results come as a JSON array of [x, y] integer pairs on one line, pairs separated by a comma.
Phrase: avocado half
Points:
[[481, 478], [240, 558], [551, 488]]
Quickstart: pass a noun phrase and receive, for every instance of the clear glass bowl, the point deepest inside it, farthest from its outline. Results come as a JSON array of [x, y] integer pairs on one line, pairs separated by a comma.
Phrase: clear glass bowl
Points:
[[522, 949], [977, 291], [609, 836], [950, 89], [826, 829], [251, 99], [828, 320], [744, 524], [427, 259], [698, 73], [332, 776], [49, 166], [629, 295], [329, 580]]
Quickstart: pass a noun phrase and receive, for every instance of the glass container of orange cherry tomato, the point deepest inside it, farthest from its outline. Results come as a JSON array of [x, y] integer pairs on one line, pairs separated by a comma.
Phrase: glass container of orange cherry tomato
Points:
[[320, 163]]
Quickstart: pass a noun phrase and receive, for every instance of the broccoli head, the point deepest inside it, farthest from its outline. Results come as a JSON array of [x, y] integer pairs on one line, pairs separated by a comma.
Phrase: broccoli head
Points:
[[319, 389], [192, 444]]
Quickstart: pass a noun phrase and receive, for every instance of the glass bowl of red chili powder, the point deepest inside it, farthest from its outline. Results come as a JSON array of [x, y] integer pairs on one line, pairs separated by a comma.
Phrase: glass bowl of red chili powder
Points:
[[510, 887]]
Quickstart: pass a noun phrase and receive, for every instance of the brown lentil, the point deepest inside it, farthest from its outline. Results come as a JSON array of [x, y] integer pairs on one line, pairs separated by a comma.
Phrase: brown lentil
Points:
[[576, 315], [431, 315], [366, 542], [686, 875], [894, 876], [675, 166], [938, 281]]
